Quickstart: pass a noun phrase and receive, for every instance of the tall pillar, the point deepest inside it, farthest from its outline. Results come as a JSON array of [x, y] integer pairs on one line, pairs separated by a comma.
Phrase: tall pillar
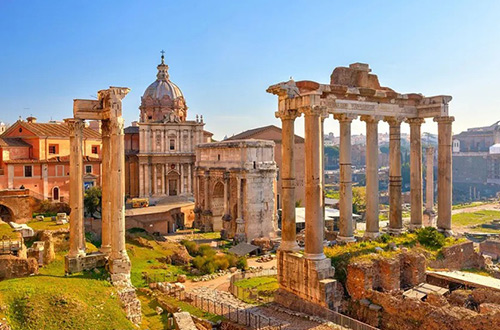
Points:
[[190, 179], [444, 173], [288, 226], [314, 183], [141, 180], [395, 212], [147, 180], [239, 215], [106, 186], [76, 234], [346, 230], [207, 191], [182, 191], [416, 173], [372, 198], [429, 179], [226, 195], [119, 260]]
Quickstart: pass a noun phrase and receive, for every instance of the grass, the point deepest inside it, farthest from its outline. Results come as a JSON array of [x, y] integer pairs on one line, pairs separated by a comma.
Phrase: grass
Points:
[[262, 287], [467, 205], [8, 232], [186, 307], [46, 224], [150, 319], [55, 302], [474, 218]]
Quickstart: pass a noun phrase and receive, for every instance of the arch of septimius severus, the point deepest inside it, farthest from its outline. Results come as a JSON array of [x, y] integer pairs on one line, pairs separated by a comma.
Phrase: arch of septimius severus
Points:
[[353, 93]]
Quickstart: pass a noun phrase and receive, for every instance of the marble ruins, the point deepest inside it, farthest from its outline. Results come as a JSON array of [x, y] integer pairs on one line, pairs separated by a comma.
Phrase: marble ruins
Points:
[[352, 92], [235, 189]]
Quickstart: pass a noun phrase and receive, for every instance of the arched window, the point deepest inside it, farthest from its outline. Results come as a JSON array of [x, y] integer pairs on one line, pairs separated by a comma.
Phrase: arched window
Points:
[[55, 193]]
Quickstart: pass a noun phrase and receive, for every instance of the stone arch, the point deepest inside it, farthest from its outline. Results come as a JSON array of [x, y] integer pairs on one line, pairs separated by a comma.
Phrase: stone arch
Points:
[[6, 213], [56, 193], [217, 203]]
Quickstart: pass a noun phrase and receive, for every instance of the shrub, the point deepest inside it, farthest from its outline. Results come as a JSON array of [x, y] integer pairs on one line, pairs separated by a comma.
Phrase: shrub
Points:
[[430, 238], [242, 263], [385, 238], [232, 260], [192, 247], [221, 262], [206, 251], [198, 262]]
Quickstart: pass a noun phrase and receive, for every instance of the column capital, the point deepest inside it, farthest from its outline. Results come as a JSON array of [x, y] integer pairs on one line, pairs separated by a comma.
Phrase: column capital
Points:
[[415, 121], [287, 114], [105, 128], [371, 118], [312, 110], [394, 121], [116, 126], [75, 126], [345, 117], [444, 119]]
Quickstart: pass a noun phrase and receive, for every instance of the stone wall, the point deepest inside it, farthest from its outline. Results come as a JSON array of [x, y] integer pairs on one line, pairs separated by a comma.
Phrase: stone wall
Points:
[[397, 313], [13, 267], [457, 257], [491, 248]]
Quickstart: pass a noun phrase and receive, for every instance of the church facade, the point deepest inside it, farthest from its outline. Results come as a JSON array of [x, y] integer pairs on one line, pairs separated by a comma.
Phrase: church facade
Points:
[[160, 148]]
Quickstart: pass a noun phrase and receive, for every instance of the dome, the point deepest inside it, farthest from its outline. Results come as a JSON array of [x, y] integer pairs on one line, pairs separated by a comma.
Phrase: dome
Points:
[[162, 86]]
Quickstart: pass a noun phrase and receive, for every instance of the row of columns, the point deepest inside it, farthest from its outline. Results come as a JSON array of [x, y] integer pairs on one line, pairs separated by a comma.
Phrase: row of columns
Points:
[[148, 174], [113, 189], [314, 177]]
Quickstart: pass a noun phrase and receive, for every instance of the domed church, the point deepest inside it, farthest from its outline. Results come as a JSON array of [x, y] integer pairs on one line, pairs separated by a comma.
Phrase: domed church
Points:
[[160, 147]]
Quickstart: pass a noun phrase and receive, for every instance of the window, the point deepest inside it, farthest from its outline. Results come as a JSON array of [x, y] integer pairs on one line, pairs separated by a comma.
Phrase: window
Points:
[[88, 169], [172, 144], [28, 171], [53, 149], [95, 150]]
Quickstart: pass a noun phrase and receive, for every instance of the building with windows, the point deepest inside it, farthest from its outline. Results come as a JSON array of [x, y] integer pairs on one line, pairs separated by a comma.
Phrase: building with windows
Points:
[[160, 148], [35, 156]]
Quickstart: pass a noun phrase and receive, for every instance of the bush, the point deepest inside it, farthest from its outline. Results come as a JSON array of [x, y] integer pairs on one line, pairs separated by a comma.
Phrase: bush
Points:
[[192, 247], [242, 263], [221, 262], [232, 259], [206, 251], [430, 238]]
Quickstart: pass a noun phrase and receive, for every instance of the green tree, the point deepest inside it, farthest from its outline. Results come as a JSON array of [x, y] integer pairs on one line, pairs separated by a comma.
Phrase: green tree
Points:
[[92, 200], [358, 199]]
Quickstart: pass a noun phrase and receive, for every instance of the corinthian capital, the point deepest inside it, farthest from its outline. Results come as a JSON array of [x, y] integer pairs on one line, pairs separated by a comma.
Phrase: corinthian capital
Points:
[[105, 128], [312, 111], [415, 121], [371, 118], [75, 127], [116, 126], [287, 114], [394, 121], [345, 117], [444, 119]]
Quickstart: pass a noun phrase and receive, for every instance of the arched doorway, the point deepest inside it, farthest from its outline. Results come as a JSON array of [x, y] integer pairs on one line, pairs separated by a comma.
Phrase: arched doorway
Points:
[[55, 193], [6, 214], [218, 200], [173, 180]]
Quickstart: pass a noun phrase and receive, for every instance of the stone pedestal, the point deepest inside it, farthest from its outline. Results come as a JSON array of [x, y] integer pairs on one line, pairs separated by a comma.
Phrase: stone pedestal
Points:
[[305, 280]]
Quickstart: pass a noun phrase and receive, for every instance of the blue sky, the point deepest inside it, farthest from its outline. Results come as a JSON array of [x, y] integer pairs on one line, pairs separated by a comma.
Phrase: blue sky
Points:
[[224, 54]]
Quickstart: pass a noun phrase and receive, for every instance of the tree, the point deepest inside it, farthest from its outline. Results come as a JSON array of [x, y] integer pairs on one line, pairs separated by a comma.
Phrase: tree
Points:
[[358, 199], [92, 200]]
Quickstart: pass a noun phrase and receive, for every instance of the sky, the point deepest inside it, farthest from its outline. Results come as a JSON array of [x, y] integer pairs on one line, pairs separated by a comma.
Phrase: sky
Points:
[[224, 54]]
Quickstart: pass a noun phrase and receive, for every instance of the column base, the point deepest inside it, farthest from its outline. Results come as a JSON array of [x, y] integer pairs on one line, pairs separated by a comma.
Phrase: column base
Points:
[[315, 256], [289, 246], [446, 232], [106, 249], [413, 227], [371, 235], [395, 231], [120, 265], [76, 254], [346, 239]]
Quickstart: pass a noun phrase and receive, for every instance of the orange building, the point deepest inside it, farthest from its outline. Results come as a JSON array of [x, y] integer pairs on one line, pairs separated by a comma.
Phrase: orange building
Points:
[[36, 156]]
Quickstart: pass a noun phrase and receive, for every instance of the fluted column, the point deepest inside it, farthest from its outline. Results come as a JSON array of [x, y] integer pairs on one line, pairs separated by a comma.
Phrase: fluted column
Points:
[[106, 187], [288, 226], [314, 183], [120, 262], [444, 173], [372, 198], [346, 230], [76, 234], [395, 212], [416, 172]]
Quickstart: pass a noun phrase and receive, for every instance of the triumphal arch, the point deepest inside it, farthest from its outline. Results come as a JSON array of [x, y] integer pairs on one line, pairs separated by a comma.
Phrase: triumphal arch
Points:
[[353, 92]]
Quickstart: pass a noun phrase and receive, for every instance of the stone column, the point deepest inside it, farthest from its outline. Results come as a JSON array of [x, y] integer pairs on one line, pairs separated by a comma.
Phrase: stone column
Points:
[[154, 189], [181, 169], [416, 172], [372, 198], [395, 212], [207, 191], [147, 180], [429, 179], [119, 260], [226, 195], [288, 226], [444, 173], [346, 230], [314, 183], [238, 199], [77, 233], [141, 180], [106, 187], [189, 179]]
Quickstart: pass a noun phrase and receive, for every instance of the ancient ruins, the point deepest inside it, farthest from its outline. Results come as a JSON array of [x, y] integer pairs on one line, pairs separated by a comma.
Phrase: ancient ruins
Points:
[[307, 280], [235, 189]]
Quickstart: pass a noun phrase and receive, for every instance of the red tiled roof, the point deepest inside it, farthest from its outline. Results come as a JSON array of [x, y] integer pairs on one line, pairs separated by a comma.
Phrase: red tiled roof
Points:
[[53, 129], [13, 142], [57, 159], [249, 134]]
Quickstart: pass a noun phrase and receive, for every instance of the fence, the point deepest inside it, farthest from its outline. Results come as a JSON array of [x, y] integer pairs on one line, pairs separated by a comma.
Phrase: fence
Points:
[[242, 316], [251, 294]]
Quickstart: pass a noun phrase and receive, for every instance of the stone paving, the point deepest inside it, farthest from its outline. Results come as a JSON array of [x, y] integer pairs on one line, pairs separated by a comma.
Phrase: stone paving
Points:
[[290, 320]]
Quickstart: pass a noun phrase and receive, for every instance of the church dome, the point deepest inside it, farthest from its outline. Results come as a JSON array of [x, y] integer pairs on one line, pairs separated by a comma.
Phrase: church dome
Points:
[[162, 86]]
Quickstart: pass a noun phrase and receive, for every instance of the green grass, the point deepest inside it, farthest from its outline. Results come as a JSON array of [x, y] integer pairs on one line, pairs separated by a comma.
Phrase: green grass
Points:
[[8, 232], [474, 218], [61, 303], [46, 224], [467, 205], [150, 319], [186, 307], [256, 290]]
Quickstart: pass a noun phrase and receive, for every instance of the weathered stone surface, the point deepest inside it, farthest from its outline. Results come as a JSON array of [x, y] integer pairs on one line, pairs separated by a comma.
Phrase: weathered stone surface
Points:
[[86, 262], [459, 256], [488, 308], [13, 267], [183, 321], [389, 272], [413, 266], [359, 279], [490, 247], [131, 304]]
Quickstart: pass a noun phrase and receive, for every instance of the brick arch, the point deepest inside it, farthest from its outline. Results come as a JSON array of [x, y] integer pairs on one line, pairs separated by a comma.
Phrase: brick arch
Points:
[[6, 213], [20, 205]]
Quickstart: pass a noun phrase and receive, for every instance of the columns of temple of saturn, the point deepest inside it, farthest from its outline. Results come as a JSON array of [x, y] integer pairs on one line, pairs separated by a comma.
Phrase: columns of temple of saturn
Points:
[[416, 173]]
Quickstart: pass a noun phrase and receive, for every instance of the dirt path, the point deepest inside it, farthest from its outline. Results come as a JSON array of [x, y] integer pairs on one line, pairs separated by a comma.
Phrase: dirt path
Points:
[[490, 206]]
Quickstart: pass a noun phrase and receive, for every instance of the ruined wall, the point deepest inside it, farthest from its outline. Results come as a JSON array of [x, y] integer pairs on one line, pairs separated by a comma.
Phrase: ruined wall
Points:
[[491, 248], [13, 267], [457, 257]]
